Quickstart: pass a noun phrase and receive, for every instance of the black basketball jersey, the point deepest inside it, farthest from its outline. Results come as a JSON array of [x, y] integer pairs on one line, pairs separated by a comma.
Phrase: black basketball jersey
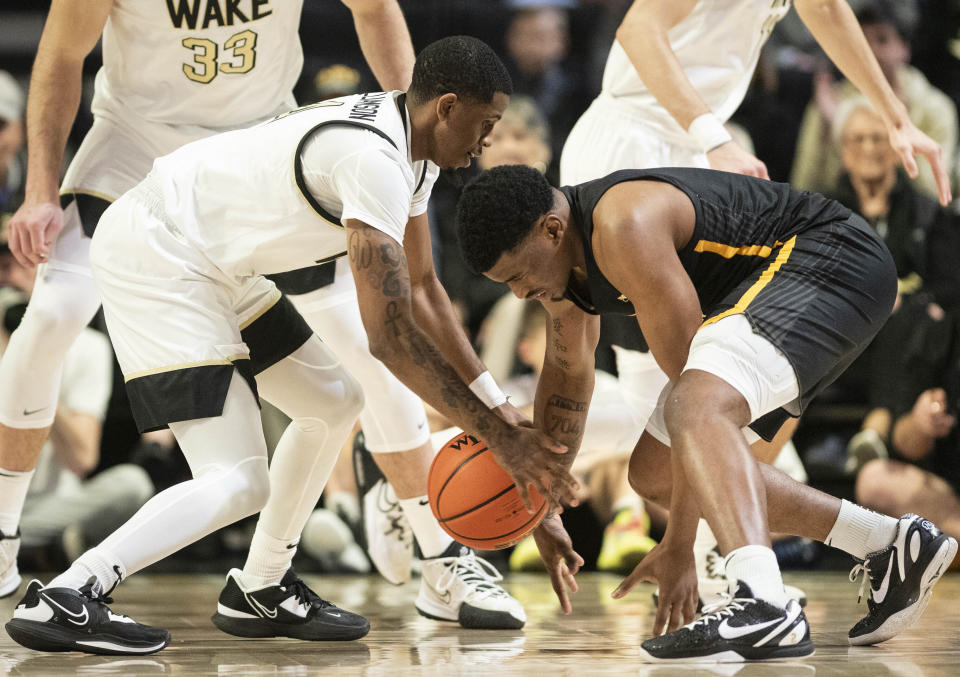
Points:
[[741, 222]]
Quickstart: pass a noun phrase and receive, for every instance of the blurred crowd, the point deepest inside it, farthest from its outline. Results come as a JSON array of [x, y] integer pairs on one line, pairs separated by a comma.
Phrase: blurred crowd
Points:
[[884, 434]]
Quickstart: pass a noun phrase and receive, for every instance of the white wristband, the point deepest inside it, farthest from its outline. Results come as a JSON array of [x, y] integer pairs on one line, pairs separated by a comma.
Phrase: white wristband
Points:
[[708, 132], [487, 390]]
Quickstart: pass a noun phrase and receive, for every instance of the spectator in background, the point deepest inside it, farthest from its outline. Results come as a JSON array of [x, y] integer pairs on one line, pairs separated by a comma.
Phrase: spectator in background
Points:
[[537, 42], [923, 471], [924, 239], [816, 166], [64, 511], [11, 145]]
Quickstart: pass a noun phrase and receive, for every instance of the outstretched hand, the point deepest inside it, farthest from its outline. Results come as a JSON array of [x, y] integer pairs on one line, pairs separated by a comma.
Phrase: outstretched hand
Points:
[[908, 141], [558, 555], [732, 158], [531, 457], [673, 570]]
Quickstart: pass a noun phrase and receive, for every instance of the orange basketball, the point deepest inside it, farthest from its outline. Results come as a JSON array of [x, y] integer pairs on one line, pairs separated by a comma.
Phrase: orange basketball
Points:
[[475, 500]]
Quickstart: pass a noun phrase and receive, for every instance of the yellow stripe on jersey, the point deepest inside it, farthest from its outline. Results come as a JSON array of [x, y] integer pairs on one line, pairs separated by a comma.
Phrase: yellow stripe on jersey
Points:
[[757, 286], [184, 365], [729, 251]]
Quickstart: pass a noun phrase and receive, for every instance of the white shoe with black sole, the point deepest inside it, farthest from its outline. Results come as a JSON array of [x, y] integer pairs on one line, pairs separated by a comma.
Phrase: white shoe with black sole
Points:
[[745, 629], [288, 609], [901, 577], [64, 619], [9, 574], [386, 532], [459, 586]]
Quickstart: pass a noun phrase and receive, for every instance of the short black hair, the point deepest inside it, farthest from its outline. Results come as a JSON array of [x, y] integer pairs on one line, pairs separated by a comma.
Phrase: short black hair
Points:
[[497, 211], [462, 65], [889, 12]]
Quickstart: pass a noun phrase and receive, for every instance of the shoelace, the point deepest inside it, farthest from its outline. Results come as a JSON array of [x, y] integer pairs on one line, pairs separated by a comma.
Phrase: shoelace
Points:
[[477, 574], [862, 568], [305, 595], [716, 611]]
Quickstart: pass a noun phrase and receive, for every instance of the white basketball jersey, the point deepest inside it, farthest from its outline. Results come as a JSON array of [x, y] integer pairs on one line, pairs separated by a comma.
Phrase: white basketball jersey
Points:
[[213, 63], [270, 198], [718, 46]]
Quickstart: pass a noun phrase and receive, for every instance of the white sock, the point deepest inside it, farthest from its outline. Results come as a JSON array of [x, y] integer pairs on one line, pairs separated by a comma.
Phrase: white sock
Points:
[[97, 562], [432, 538], [756, 565], [13, 491], [860, 531], [268, 559]]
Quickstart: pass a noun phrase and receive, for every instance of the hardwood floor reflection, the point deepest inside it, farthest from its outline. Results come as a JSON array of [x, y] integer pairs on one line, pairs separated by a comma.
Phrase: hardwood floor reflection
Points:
[[599, 638]]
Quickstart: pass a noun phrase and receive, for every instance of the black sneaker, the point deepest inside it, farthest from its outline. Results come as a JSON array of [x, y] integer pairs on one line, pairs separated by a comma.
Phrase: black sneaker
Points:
[[289, 609], [64, 619], [745, 629], [901, 578]]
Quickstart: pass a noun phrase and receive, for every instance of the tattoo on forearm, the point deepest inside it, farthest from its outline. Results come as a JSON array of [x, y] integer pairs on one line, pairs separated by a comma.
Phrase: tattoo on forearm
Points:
[[561, 402], [559, 346], [361, 252], [562, 363], [394, 317], [558, 326], [564, 425]]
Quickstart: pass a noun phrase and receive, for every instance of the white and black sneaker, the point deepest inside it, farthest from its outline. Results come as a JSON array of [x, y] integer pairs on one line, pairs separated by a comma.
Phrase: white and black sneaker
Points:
[[744, 629], [387, 536], [64, 619], [9, 574], [901, 577], [289, 609], [459, 586], [714, 587]]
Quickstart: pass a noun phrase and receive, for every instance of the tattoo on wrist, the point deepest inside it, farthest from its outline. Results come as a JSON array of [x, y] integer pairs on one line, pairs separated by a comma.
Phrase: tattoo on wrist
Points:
[[561, 402]]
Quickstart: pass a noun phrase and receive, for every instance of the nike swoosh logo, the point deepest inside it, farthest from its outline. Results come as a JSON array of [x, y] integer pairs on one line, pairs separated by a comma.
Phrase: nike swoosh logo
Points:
[[330, 613], [421, 424], [83, 615], [291, 546], [31, 412], [269, 613], [880, 593], [425, 501], [733, 632]]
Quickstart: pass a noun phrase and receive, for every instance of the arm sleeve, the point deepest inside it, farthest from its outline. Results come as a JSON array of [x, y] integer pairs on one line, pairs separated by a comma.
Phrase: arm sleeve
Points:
[[373, 188]]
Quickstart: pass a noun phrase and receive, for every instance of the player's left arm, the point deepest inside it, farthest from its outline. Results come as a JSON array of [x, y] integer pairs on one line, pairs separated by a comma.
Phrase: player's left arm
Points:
[[435, 314], [384, 40], [835, 27], [635, 247]]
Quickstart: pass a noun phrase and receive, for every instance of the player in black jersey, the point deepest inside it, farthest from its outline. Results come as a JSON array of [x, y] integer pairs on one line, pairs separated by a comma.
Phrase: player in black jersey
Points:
[[753, 297]]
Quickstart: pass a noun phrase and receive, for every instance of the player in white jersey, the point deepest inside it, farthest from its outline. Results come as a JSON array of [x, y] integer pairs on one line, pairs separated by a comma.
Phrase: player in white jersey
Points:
[[199, 332], [172, 73], [676, 72]]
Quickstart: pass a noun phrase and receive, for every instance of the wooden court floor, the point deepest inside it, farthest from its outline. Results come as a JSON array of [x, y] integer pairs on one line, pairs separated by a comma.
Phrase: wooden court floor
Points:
[[599, 638]]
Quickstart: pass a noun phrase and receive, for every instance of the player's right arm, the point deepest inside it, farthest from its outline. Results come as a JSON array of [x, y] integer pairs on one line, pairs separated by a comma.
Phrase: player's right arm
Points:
[[643, 36], [70, 33], [380, 271], [560, 409]]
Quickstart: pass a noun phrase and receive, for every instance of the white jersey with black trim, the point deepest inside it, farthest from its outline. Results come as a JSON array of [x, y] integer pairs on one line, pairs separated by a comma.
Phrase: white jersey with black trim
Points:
[[212, 63], [717, 44], [271, 198]]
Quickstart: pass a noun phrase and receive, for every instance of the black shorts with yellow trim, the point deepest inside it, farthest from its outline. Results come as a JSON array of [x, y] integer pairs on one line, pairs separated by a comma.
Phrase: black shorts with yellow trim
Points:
[[200, 390], [820, 299]]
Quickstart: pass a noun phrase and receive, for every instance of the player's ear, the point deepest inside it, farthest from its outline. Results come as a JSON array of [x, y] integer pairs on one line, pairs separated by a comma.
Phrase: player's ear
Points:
[[445, 105], [553, 225]]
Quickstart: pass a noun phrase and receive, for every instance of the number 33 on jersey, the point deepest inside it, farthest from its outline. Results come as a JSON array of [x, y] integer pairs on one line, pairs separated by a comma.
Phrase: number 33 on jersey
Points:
[[192, 61]]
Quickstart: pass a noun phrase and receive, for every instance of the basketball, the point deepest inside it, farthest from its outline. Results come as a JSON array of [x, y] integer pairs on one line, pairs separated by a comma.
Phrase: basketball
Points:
[[475, 500]]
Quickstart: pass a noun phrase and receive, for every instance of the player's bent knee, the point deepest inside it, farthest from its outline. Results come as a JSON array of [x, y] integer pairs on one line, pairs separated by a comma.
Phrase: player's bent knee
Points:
[[50, 330], [249, 487]]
